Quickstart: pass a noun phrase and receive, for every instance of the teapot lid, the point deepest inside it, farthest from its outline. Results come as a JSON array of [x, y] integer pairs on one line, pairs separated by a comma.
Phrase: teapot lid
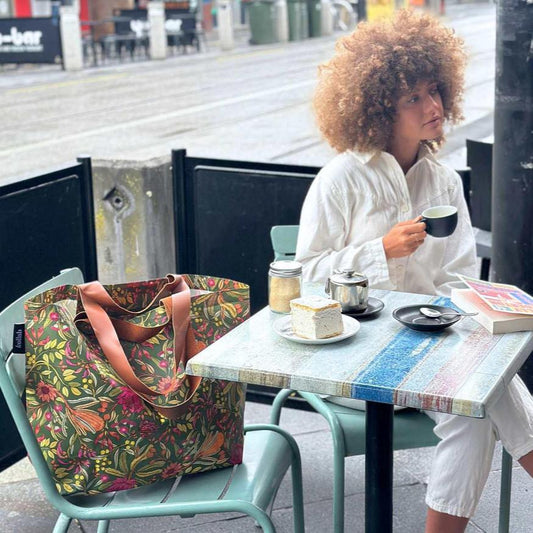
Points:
[[347, 276]]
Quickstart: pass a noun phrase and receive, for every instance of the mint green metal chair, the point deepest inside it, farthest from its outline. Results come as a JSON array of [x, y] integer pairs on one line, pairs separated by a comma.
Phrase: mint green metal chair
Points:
[[248, 488], [412, 429], [285, 238]]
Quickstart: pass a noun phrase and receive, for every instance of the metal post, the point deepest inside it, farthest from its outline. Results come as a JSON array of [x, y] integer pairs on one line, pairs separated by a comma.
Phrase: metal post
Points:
[[69, 25], [282, 21], [158, 38], [378, 467], [326, 18], [225, 25], [512, 163], [90, 270]]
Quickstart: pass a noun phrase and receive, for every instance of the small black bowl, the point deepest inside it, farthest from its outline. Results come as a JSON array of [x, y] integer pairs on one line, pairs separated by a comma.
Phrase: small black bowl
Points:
[[411, 317]]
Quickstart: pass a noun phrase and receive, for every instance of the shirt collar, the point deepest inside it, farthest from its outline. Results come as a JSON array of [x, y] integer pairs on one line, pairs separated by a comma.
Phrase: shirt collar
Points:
[[364, 157], [423, 153]]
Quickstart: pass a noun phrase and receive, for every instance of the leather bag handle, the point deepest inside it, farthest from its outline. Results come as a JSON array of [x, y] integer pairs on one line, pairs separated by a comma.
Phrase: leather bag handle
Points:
[[96, 300]]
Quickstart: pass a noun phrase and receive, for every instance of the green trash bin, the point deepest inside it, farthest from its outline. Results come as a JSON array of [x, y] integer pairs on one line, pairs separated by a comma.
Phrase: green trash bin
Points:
[[262, 15], [298, 20], [314, 9]]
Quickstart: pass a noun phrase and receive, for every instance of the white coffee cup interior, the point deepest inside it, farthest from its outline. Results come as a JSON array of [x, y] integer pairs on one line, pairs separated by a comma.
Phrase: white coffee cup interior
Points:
[[439, 211]]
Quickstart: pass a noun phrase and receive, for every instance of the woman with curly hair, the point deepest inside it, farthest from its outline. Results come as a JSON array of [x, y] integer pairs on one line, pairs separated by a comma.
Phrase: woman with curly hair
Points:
[[382, 101]]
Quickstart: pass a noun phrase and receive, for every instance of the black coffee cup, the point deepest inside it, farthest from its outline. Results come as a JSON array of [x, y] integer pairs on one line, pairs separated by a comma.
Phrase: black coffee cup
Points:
[[440, 220]]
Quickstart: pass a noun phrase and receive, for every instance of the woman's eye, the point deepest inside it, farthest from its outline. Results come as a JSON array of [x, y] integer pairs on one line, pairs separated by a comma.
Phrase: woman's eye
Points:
[[412, 100], [433, 91]]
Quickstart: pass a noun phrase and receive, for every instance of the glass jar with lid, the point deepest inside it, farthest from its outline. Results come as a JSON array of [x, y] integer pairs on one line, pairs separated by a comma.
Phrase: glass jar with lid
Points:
[[284, 284]]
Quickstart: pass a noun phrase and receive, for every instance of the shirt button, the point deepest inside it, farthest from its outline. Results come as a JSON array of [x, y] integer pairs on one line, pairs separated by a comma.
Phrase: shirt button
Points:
[[405, 208]]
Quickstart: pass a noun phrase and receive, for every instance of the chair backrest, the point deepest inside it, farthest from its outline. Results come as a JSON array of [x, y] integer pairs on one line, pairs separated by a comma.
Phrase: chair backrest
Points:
[[12, 377], [284, 240], [479, 159]]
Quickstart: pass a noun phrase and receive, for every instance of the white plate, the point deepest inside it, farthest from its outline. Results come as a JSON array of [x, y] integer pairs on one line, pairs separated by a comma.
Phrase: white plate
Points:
[[282, 326]]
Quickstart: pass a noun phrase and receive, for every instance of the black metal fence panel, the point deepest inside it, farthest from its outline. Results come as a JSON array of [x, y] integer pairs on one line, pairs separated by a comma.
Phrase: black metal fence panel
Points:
[[30, 40], [233, 211], [46, 225], [224, 212]]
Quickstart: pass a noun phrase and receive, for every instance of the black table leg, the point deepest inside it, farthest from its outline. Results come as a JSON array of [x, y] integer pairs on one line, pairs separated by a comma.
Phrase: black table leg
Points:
[[378, 468]]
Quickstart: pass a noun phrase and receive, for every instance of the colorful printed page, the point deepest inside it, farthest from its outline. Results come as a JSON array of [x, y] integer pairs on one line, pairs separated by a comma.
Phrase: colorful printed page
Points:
[[501, 297]]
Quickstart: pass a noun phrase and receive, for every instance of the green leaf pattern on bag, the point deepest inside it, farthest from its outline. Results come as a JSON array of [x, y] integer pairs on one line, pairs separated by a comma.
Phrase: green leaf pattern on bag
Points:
[[95, 433]]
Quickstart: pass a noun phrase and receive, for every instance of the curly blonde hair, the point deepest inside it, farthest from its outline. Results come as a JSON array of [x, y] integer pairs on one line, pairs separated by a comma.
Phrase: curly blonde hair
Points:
[[359, 87]]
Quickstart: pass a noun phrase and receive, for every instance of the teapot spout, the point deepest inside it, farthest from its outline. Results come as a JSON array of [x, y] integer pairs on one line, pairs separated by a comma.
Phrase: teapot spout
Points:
[[327, 288]]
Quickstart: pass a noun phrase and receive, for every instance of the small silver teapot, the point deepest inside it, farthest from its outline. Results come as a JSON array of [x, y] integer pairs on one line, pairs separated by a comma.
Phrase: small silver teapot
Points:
[[349, 288]]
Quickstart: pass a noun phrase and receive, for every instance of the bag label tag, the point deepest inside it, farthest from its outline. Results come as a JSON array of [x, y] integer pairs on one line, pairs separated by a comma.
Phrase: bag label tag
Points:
[[18, 339]]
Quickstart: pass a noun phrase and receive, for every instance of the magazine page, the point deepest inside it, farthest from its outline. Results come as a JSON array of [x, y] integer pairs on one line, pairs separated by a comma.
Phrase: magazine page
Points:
[[501, 297]]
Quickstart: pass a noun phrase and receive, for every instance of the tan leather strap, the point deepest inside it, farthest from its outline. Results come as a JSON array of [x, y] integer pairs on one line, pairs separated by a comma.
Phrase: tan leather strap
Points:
[[174, 284], [127, 331], [94, 297]]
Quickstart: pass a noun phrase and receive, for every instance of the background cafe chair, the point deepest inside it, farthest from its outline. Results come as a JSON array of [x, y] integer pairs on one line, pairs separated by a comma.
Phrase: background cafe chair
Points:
[[412, 429], [479, 162], [248, 488]]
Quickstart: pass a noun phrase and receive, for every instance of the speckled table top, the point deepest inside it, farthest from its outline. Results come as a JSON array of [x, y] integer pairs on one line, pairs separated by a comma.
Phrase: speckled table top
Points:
[[459, 370]]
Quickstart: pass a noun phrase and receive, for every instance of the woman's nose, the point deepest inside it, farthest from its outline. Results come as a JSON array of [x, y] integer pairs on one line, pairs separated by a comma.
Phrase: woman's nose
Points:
[[431, 103]]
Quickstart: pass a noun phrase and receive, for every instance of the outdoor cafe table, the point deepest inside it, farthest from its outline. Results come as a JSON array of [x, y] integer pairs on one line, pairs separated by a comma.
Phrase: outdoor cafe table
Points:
[[459, 370]]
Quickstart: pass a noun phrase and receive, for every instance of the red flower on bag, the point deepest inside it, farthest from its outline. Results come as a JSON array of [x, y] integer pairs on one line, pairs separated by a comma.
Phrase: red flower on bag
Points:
[[122, 484], [45, 392], [130, 401], [147, 428], [167, 385], [171, 470]]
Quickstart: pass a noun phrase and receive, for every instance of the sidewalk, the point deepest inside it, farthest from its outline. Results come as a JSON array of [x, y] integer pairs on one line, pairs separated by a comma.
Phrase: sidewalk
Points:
[[23, 508]]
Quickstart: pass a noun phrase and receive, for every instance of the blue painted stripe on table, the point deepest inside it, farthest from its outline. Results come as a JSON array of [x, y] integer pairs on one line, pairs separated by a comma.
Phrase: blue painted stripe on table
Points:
[[379, 379]]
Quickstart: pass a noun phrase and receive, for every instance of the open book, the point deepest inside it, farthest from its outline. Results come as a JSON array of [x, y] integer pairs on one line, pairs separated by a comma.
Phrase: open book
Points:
[[501, 308]]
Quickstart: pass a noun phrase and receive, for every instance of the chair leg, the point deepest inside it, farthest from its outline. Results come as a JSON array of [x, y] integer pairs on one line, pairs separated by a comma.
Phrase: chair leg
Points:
[[338, 492], [297, 491], [505, 492], [485, 268], [103, 526], [277, 405], [62, 523], [261, 517], [339, 454]]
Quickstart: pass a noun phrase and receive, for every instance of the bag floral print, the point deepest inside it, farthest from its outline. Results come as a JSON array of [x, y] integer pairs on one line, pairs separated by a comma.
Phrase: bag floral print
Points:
[[130, 416]]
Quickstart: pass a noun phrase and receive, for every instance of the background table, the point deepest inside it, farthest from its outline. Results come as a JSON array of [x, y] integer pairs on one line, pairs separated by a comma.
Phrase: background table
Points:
[[460, 370]]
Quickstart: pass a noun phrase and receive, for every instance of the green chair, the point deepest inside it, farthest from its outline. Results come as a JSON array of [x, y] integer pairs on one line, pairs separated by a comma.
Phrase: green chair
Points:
[[248, 488], [412, 429], [285, 238]]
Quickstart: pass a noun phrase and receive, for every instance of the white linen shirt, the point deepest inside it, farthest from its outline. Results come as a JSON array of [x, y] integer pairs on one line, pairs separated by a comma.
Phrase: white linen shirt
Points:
[[357, 198]]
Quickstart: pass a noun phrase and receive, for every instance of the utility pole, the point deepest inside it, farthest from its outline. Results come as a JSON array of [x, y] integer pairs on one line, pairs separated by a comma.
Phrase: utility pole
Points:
[[512, 196], [512, 163]]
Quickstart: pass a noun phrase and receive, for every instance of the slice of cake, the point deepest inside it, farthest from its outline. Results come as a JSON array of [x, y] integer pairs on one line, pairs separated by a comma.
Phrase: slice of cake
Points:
[[316, 317]]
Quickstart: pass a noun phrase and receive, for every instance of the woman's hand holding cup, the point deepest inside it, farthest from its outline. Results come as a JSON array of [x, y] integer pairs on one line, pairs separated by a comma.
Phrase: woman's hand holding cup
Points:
[[404, 238]]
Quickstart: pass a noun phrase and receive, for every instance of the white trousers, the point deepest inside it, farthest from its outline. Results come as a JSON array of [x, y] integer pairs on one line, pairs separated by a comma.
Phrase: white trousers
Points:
[[463, 457]]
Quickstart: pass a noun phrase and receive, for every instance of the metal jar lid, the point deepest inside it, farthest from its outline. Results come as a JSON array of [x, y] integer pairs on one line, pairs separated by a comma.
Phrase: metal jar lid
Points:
[[348, 277], [285, 269]]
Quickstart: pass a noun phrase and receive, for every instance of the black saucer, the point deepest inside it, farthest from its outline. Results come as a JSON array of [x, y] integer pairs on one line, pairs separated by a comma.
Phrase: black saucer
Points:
[[411, 317], [373, 308]]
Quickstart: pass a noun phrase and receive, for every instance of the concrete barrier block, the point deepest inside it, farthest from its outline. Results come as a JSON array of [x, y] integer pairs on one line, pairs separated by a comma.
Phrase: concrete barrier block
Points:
[[134, 219]]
